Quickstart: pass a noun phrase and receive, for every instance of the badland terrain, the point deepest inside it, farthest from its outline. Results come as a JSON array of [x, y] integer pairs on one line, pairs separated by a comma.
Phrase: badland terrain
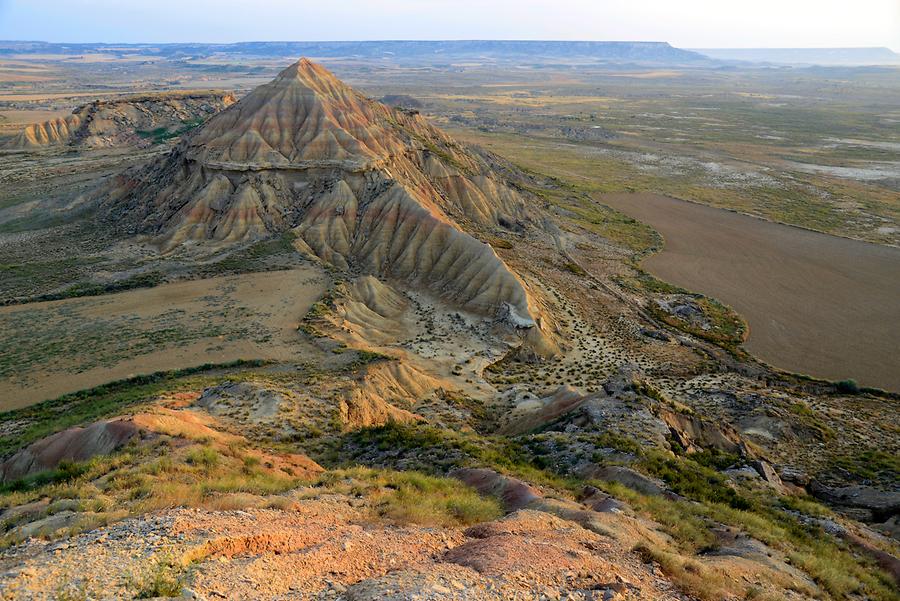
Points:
[[270, 335]]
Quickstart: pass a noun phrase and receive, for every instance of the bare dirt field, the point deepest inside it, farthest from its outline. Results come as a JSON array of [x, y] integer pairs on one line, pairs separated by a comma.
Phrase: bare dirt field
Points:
[[56, 347], [817, 304]]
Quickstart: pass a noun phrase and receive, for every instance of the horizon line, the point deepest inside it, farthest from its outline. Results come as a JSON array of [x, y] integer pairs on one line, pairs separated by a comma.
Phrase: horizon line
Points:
[[374, 41]]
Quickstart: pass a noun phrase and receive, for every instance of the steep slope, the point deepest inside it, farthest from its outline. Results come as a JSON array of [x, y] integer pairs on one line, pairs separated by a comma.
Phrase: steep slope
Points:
[[361, 185], [140, 119]]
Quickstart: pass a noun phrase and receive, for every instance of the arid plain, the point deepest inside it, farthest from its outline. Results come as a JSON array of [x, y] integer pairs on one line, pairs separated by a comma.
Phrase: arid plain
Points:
[[429, 320], [798, 289], [752, 141]]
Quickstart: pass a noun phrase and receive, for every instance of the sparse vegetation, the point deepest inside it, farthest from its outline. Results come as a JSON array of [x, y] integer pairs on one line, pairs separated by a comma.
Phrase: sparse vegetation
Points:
[[435, 450], [847, 387], [147, 476], [88, 341], [414, 498], [27, 280], [812, 420], [66, 471], [364, 357], [725, 326], [692, 576], [205, 457], [162, 134], [870, 464], [165, 577], [575, 268], [710, 501], [277, 252], [84, 406], [715, 532], [142, 280]]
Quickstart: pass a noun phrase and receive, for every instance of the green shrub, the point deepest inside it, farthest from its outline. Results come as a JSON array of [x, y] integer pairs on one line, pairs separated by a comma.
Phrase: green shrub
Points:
[[411, 497], [611, 440], [64, 472], [715, 459], [575, 268], [161, 134], [251, 462], [364, 357], [847, 387], [205, 457], [694, 481], [165, 578]]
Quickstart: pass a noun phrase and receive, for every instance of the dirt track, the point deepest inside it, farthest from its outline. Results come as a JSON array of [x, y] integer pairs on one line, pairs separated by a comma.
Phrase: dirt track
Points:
[[816, 304]]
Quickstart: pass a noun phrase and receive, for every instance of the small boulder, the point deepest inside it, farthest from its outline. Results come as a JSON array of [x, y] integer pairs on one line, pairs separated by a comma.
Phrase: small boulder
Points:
[[656, 334], [513, 494], [625, 476], [769, 475], [599, 501], [794, 475], [74, 444], [882, 504]]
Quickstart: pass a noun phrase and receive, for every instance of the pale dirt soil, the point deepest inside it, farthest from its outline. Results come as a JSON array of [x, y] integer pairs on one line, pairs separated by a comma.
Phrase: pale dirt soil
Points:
[[817, 304], [328, 546], [14, 120], [252, 316], [51, 96]]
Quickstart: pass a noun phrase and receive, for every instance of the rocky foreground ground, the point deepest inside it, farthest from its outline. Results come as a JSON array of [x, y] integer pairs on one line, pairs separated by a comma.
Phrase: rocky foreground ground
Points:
[[184, 506], [326, 548]]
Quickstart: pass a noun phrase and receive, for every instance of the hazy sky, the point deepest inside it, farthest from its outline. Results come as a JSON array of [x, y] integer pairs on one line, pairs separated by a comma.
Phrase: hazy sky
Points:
[[684, 23]]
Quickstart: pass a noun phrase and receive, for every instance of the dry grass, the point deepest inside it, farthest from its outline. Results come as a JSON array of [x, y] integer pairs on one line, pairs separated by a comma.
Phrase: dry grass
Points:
[[167, 474], [59, 347], [413, 497], [164, 576], [835, 568], [145, 478], [691, 576]]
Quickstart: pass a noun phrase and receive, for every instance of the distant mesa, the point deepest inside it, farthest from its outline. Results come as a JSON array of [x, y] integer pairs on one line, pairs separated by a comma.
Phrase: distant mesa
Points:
[[806, 56], [139, 120], [362, 186], [406, 51]]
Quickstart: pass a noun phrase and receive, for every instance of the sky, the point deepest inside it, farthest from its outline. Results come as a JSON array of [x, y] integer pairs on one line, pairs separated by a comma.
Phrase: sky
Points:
[[683, 23]]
